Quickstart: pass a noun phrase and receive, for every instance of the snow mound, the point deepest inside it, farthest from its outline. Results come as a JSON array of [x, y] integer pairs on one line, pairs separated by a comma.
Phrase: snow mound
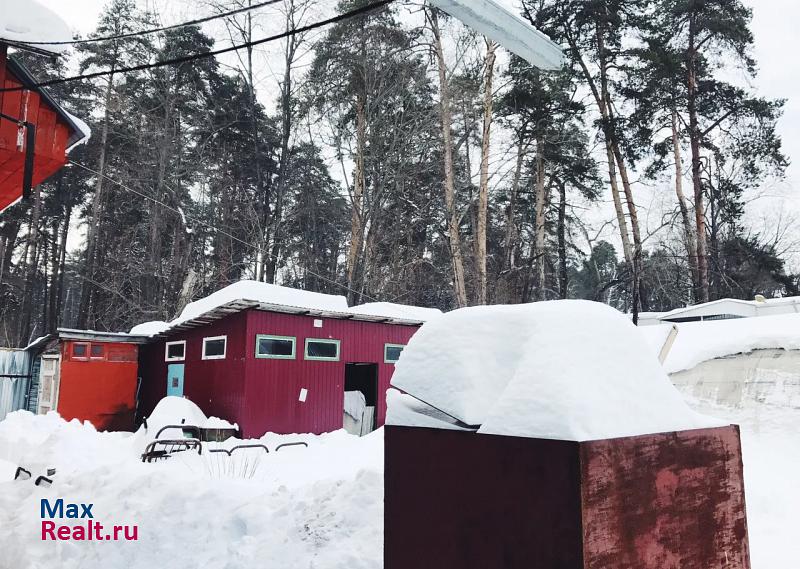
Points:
[[149, 328], [568, 370], [29, 21], [263, 292], [392, 310], [702, 341], [172, 410]]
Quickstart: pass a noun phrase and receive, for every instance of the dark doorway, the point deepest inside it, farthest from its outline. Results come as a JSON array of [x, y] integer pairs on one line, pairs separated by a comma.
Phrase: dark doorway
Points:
[[363, 377]]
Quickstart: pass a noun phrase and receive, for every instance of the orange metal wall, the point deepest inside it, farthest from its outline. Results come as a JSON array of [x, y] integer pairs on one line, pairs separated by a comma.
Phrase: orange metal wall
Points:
[[102, 391], [52, 134]]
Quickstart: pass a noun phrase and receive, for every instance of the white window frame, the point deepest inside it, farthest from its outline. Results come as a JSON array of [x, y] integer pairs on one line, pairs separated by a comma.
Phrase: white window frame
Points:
[[211, 339], [386, 360], [292, 339], [337, 343], [183, 357]]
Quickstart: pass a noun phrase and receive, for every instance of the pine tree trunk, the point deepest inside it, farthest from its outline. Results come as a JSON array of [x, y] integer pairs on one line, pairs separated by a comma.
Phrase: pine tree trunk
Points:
[[694, 138], [31, 268], [483, 192], [688, 232], [359, 184], [459, 287], [511, 228], [563, 284], [618, 208], [540, 205], [87, 285]]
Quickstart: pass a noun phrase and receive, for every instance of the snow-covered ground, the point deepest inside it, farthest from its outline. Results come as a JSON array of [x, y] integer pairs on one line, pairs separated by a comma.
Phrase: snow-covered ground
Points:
[[319, 507]]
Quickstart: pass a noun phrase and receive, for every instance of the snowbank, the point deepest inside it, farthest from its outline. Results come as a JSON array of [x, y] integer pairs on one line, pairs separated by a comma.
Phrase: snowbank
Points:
[[172, 410], [266, 293], [400, 311], [701, 341], [29, 21], [568, 370]]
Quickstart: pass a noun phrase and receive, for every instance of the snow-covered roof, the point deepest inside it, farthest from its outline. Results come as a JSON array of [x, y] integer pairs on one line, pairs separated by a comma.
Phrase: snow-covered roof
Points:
[[247, 294], [27, 23], [697, 342], [567, 370], [83, 129], [730, 306], [392, 310]]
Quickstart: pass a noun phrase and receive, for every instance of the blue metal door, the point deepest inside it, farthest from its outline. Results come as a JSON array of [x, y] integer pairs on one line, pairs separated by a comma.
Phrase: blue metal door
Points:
[[175, 379]]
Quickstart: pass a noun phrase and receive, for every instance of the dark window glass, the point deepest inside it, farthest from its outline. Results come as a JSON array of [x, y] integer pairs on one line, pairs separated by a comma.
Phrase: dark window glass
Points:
[[215, 348], [98, 350], [79, 350], [175, 351], [327, 350], [275, 347], [393, 353]]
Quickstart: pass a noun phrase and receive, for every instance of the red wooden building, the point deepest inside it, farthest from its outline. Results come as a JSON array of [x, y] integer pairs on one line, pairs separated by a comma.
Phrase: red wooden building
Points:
[[276, 367], [35, 132]]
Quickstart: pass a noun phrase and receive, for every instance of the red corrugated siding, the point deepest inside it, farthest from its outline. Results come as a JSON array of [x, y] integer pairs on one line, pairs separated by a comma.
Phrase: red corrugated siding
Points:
[[216, 386], [263, 394]]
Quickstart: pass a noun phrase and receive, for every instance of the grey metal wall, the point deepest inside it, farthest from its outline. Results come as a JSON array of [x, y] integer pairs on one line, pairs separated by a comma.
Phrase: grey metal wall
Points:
[[14, 380]]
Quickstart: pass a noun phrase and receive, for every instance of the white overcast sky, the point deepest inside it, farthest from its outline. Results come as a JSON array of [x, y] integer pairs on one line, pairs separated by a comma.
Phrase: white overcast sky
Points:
[[776, 46]]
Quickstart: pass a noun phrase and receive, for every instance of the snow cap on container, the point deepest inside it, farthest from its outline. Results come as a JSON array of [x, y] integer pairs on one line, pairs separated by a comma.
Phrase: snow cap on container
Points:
[[568, 370]]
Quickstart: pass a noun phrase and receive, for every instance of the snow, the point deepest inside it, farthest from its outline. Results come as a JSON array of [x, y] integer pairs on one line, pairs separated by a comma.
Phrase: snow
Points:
[[317, 507], [403, 409], [150, 328], [82, 127], [172, 410], [567, 370], [24, 21], [399, 311], [701, 341], [263, 292]]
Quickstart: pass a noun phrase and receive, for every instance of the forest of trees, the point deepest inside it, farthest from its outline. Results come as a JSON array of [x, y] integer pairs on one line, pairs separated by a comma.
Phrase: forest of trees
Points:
[[400, 157]]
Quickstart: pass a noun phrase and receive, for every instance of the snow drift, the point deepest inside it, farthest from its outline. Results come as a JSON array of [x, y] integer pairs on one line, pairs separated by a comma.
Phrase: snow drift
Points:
[[702, 341], [568, 370], [29, 21]]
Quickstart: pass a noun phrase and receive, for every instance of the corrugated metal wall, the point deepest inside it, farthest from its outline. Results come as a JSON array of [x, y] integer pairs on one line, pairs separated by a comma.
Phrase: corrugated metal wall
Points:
[[263, 394], [14, 380]]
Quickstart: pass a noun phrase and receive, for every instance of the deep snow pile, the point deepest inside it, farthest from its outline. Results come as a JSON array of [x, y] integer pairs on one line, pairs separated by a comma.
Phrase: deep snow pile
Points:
[[568, 370], [697, 342], [28, 21], [172, 410], [309, 507]]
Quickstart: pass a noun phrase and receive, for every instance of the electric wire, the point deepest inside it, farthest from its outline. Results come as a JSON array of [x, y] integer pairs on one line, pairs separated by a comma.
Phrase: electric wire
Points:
[[155, 30], [204, 55]]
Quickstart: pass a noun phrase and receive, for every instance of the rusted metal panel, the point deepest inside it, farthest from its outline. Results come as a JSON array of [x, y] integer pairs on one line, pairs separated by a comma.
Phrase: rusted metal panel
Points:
[[457, 500], [665, 501]]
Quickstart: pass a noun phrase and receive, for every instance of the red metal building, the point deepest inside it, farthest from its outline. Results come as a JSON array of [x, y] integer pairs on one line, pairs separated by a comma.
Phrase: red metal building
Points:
[[55, 130], [89, 376], [275, 368]]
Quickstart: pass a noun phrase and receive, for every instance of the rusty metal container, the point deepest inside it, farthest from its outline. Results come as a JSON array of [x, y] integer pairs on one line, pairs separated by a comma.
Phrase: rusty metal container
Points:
[[461, 500]]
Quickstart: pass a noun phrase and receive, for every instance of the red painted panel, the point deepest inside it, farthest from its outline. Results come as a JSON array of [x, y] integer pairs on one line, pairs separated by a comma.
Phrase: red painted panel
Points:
[[665, 501], [216, 386], [99, 390], [263, 394]]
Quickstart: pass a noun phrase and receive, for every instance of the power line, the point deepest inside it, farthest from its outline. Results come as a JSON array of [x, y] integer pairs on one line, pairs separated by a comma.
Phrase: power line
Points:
[[195, 56], [156, 30], [181, 213]]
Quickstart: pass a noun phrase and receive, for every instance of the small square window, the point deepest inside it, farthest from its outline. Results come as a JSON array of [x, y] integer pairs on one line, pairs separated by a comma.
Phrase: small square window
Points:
[[214, 348], [175, 351], [391, 353], [275, 347], [322, 349], [80, 351], [98, 351]]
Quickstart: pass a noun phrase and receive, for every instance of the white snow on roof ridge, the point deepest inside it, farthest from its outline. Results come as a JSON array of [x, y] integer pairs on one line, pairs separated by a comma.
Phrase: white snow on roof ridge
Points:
[[28, 21], [393, 310], [567, 370], [698, 342], [257, 291], [83, 128]]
